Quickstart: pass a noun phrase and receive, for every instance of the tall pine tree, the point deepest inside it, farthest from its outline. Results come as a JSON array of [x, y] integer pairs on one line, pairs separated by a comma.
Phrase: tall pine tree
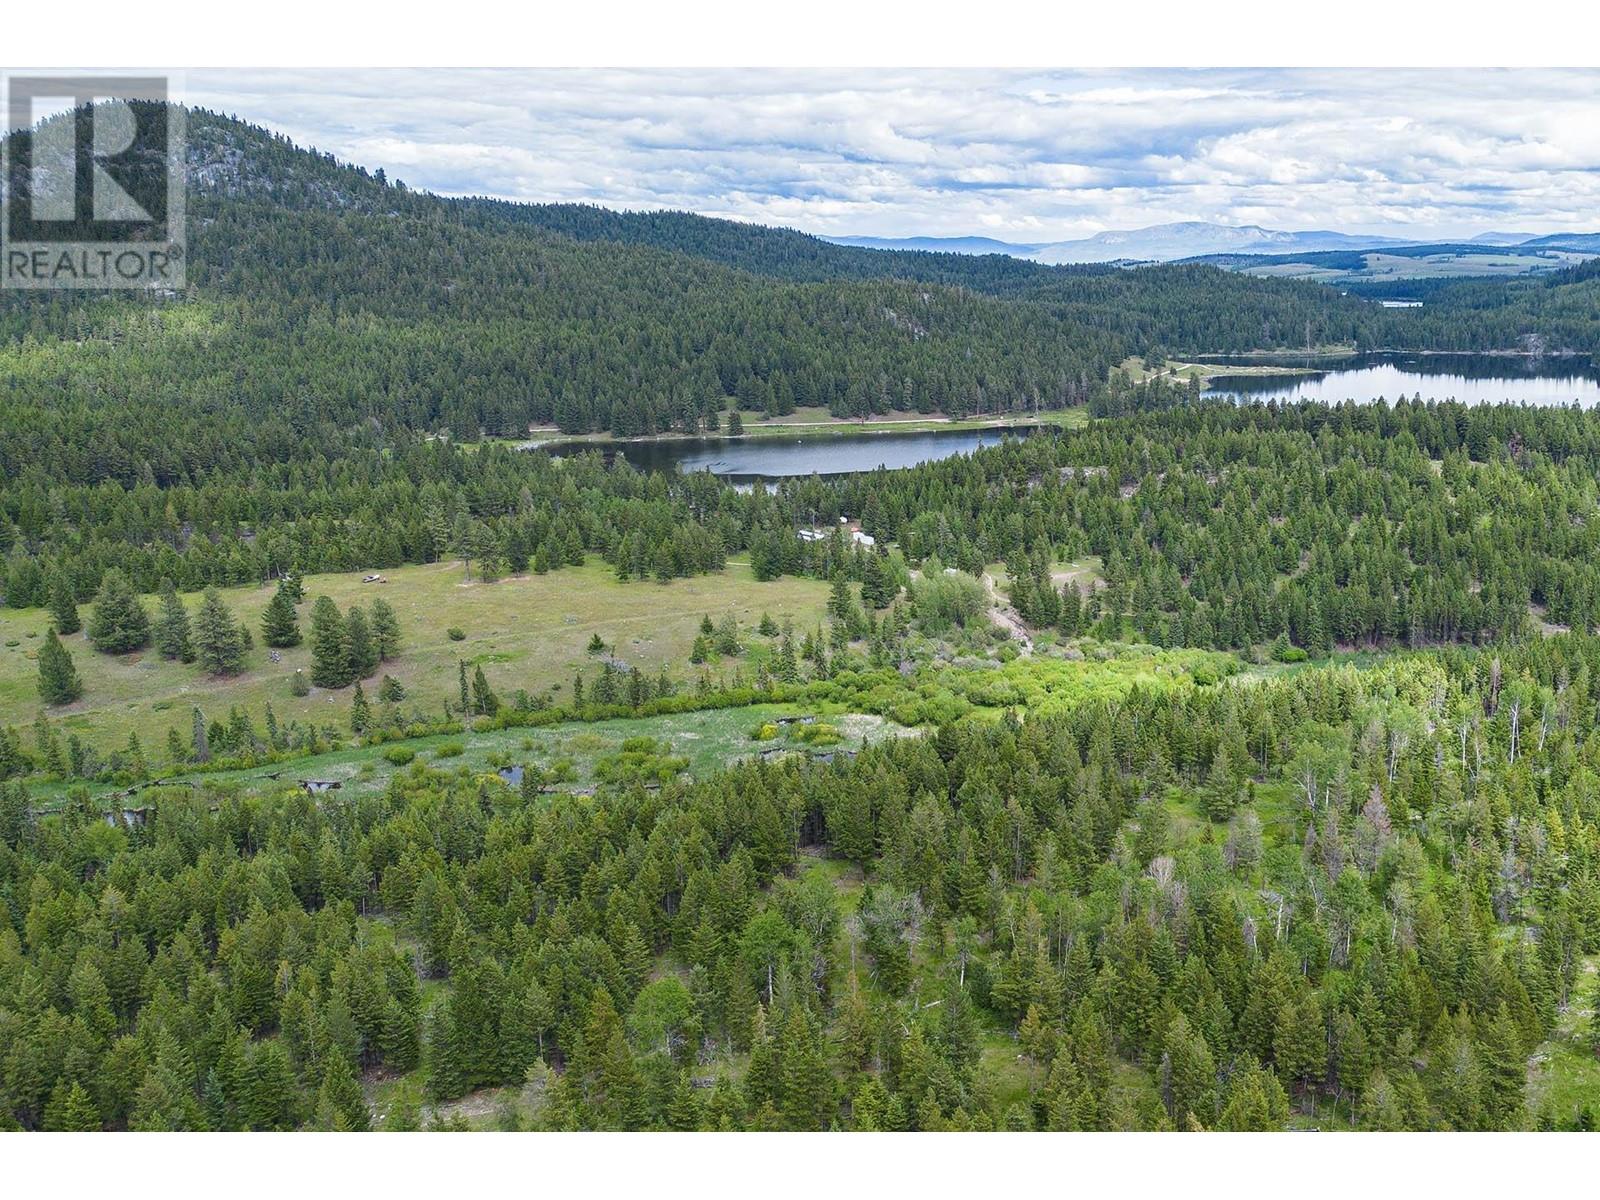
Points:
[[119, 622], [58, 679]]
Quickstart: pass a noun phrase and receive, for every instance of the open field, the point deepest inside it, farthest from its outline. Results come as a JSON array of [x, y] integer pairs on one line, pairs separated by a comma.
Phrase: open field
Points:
[[1454, 264], [1181, 372], [529, 632]]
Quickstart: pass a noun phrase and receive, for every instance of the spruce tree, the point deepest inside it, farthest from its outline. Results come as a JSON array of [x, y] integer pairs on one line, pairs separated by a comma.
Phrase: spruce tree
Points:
[[341, 1107], [386, 628], [360, 711], [806, 1082], [279, 628], [330, 650], [58, 678], [119, 622], [172, 629], [71, 1110], [201, 739], [876, 590], [64, 605], [484, 701], [363, 654], [218, 640]]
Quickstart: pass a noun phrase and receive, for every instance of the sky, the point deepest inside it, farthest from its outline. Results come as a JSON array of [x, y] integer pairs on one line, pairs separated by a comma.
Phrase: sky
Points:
[[1023, 156]]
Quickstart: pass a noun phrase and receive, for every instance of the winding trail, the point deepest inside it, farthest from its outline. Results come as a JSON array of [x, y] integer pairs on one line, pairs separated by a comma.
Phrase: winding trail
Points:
[[1002, 614]]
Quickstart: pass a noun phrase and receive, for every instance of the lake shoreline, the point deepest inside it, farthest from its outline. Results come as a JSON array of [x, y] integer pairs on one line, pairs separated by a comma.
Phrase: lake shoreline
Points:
[[1064, 418], [1248, 356]]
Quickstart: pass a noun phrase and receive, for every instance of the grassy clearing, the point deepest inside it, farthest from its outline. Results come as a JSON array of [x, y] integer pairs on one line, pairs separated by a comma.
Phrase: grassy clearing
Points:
[[527, 632], [707, 740], [815, 422], [1564, 1074], [1175, 371]]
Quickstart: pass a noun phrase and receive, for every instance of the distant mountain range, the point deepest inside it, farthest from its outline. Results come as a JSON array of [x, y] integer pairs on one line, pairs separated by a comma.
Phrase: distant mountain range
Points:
[[1197, 239]]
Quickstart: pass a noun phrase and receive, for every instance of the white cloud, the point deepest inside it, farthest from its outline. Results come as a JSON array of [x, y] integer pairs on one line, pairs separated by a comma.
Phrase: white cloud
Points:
[[1033, 155]]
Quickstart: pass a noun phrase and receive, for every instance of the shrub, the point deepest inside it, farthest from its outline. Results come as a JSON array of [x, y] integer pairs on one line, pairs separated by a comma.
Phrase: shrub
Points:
[[456, 634], [400, 755], [764, 732], [819, 734], [1285, 652], [450, 750]]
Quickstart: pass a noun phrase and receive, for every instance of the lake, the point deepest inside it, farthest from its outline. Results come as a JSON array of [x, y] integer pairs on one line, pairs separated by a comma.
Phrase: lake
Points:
[[745, 460], [1470, 378]]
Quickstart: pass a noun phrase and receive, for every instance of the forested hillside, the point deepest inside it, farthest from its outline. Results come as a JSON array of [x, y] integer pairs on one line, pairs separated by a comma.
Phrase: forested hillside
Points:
[[1340, 897], [1548, 314], [325, 294], [1217, 525], [1184, 765]]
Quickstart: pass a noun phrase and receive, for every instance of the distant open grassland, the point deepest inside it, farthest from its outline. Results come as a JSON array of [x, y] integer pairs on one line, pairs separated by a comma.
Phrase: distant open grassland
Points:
[[1433, 266], [530, 631]]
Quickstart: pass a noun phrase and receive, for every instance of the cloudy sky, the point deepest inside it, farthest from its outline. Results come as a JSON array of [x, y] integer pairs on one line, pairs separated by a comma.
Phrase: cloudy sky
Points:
[[1022, 155]]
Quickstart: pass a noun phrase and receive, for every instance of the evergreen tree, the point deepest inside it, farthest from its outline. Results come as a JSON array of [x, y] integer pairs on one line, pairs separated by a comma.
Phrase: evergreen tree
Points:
[[807, 1084], [330, 648], [58, 678], [360, 711], [484, 702], [71, 1110], [363, 653], [876, 589], [279, 625], [386, 627], [172, 632], [119, 622], [218, 640], [64, 604], [201, 740], [341, 1106], [1189, 1074]]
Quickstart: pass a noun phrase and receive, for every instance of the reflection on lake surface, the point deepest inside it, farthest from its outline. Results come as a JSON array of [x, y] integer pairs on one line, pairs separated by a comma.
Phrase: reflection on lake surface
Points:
[[1469, 378], [748, 459]]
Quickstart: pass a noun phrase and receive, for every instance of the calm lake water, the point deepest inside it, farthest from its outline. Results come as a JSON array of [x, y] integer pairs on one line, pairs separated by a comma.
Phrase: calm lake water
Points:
[[748, 459], [1470, 378], [1475, 379]]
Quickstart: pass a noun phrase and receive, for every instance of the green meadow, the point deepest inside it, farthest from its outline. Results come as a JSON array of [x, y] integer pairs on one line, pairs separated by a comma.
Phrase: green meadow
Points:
[[528, 631]]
